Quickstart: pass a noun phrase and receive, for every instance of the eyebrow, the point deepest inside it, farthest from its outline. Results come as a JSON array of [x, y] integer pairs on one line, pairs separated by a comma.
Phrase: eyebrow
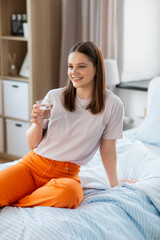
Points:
[[79, 63]]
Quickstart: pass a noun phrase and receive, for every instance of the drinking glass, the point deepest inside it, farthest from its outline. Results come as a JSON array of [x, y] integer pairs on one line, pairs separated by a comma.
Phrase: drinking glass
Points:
[[44, 105]]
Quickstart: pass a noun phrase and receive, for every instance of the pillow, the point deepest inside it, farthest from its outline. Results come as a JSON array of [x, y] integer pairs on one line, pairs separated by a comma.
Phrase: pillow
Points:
[[149, 130]]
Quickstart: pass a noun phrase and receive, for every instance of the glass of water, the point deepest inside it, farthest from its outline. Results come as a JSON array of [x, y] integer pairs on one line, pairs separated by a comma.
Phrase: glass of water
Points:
[[44, 105]]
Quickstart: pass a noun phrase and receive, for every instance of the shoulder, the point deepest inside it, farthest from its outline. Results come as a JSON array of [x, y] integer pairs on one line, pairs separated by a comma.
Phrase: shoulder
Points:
[[112, 99], [56, 91], [113, 104], [55, 95]]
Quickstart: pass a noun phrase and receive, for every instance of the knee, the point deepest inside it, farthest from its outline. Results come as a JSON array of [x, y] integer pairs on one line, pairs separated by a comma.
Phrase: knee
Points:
[[69, 193], [72, 193], [3, 196]]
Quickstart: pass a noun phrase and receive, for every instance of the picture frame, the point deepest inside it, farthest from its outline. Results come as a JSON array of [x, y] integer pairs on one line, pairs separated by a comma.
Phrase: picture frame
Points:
[[24, 71]]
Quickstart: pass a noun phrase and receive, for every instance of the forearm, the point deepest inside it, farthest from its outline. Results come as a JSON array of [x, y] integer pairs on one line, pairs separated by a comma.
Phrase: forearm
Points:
[[110, 165], [34, 135]]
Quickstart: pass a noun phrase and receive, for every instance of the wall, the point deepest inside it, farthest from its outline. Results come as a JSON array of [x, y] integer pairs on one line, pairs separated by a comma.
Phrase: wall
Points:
[[139, 39], [135, 103]]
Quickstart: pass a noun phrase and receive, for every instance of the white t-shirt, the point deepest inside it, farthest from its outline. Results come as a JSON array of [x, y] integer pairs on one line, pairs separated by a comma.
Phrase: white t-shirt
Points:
[[75, 136]]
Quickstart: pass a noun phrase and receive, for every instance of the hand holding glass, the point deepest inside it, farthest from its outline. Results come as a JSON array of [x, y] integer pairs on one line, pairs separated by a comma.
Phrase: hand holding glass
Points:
[[44, 105]]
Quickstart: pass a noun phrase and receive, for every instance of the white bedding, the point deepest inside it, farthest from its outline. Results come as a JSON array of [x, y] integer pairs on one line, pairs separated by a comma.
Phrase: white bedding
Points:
[[152, 148], [127, 212]]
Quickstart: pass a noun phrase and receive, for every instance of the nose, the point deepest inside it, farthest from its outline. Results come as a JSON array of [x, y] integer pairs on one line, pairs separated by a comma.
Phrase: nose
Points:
[[75, 70]]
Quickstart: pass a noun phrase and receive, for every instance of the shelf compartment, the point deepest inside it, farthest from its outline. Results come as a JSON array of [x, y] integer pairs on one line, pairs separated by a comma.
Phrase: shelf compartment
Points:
[[16, 99], [7, 8], [11, 47], [16, 143]]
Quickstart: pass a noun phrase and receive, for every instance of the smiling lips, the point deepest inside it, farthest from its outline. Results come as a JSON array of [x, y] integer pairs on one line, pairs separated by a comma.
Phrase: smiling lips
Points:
[[76, 78]]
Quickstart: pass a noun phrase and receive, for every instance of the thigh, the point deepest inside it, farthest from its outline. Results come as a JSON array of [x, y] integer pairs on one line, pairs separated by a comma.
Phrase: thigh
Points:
[[58, 192], [15, 182]]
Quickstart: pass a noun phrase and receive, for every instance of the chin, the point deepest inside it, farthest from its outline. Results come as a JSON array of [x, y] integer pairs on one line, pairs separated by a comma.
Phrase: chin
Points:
[[76, 85]]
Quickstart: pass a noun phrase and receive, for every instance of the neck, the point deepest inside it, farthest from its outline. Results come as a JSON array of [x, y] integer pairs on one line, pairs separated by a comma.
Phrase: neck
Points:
[[84, 93]]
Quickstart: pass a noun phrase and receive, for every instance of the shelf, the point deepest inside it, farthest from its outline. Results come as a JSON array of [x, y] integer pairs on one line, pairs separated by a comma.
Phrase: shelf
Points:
[[14, 38], [135, 85], [40, 14], [16, 119], [16, 78]]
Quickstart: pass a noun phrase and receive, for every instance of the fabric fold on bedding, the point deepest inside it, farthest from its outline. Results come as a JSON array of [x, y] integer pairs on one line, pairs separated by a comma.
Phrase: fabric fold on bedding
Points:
[[128, 211], [135, 161]]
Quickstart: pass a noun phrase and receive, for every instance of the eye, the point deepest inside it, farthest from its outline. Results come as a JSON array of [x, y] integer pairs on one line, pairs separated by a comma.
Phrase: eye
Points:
[[70, 66], [82, 66]]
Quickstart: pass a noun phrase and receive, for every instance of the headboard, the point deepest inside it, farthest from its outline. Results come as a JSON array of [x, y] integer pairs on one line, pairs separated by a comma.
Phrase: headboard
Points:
[[154, 85]]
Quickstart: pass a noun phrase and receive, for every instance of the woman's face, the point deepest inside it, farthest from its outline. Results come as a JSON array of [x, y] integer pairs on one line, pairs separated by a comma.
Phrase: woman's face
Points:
[[81, 70]]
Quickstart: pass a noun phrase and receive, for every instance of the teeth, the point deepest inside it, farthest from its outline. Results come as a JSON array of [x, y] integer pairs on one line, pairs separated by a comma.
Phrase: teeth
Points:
[[76, 78]]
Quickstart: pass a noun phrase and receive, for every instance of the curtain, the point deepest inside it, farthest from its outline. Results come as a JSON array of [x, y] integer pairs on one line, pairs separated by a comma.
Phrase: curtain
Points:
[[82, 20]]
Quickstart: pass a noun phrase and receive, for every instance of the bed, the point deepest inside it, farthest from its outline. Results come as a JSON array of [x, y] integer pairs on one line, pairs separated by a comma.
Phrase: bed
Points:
[[128, 211]]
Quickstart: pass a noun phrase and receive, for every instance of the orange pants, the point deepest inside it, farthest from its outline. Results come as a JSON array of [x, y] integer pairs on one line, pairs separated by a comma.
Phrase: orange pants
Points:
[[38, 181]]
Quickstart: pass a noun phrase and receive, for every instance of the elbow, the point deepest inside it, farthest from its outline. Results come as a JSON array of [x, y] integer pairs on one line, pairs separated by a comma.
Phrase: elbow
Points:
[[32, 145]]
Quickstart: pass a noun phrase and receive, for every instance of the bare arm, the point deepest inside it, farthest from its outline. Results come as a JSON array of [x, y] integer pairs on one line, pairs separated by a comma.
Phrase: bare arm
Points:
[[35, 133], [109, 159]]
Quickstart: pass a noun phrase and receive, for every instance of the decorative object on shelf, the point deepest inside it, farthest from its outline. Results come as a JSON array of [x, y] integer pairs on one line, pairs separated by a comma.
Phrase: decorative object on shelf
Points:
[[12, 62], [25, 26], [17, 21], [25, 29], [24, 71], [111, 72]]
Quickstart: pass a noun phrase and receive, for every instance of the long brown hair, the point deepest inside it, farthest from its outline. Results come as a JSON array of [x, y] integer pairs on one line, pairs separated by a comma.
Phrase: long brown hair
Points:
[[95, 55]]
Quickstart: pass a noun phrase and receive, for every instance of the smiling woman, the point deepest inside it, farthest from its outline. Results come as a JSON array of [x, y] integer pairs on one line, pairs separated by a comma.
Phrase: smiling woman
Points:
[[86, 76], [48, 175]]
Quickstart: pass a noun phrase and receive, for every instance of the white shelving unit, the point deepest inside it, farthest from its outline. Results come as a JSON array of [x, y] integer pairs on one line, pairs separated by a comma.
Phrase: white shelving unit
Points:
[[17, 93]]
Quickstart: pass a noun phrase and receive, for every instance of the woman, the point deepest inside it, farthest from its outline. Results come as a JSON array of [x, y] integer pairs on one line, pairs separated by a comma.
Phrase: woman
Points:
[[84, 116]]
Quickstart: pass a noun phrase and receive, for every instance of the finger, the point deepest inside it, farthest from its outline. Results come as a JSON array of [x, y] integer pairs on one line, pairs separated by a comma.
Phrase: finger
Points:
[[35, 106], [124, 180], [36, 111], [134, 181], [36, 120], [128, 180], [131, 181]]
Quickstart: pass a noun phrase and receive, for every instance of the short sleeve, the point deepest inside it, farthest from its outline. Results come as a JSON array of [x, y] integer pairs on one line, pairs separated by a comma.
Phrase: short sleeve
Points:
[[114, 127], [45, 122]]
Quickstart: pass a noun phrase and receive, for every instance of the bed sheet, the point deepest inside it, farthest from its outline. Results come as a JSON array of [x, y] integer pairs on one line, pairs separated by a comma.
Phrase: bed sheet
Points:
[[128, 211]]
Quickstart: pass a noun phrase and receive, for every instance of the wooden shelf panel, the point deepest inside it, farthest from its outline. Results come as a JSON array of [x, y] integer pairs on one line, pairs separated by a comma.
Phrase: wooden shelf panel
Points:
[[17, 78], [16, 119], [14, 38]]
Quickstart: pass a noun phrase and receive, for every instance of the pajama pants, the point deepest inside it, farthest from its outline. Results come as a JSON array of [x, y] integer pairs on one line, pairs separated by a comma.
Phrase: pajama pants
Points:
[[38, 181]]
